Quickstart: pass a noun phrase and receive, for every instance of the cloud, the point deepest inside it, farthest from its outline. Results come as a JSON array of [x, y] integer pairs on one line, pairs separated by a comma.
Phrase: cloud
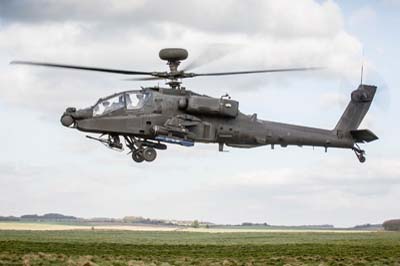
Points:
[[129, 35], [376, 179], [266, 17], [330, 99]]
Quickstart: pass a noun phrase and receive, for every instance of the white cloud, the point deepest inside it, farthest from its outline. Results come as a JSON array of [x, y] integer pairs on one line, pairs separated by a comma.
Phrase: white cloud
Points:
[[303, 33], [376, 177], [330, 99]]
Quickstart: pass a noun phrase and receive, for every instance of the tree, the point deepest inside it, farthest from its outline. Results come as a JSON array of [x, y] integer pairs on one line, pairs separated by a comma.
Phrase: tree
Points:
[[392, 225], [195, 224]]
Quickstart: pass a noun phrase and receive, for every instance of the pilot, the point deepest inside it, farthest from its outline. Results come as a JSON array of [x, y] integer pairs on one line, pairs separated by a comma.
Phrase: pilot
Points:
[[128, 100], [121, 102], [135, 103], [115, 105], [105, 107], [140, 99]]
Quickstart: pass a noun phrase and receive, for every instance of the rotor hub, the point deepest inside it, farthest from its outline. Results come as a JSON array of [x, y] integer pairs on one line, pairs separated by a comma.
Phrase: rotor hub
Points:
[[174, 56]]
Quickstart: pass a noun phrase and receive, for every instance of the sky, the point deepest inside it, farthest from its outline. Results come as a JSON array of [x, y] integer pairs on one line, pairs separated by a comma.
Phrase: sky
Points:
[[45, 167]]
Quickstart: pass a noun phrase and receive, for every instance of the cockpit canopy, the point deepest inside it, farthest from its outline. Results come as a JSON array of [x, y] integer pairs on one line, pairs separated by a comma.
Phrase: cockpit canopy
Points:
[[130, 100]]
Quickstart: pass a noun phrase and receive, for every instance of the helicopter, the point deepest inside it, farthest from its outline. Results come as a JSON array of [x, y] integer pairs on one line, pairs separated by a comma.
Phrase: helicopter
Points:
[[148, 119]]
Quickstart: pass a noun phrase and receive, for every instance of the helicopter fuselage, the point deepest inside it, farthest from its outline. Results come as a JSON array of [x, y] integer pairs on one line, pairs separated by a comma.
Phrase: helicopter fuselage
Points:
[[164, 115]]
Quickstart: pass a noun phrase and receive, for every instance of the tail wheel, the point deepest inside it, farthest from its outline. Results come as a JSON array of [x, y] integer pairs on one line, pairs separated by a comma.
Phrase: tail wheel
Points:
[[149, 154], [361, 158], [137, 156], [359, 153]]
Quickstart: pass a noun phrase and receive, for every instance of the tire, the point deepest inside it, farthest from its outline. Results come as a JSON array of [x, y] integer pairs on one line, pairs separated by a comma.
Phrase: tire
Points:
[[149, 154], [137, 156]]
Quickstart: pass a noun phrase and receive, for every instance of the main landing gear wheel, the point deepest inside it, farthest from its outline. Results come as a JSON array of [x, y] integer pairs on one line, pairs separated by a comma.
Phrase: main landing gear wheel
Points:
[[149, 154], [142, 149], [137, 156]]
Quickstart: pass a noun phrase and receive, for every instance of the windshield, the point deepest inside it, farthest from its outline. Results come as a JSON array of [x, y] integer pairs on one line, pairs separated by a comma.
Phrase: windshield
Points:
[[109, 105], [132, 100], [135, 99]]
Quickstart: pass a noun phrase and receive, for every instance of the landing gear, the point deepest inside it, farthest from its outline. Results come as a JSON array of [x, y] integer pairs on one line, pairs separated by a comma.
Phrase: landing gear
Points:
[[149, 154], [359, 153], [143, 150], [137, 156], [146, 154]]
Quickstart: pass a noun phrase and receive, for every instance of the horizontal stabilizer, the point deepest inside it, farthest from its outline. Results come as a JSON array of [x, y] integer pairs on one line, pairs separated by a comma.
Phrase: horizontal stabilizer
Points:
[[363, 135]]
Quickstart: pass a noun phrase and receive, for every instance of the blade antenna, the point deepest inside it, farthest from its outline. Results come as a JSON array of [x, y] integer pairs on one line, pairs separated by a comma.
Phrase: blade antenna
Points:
[[362, 73], [362, 67]]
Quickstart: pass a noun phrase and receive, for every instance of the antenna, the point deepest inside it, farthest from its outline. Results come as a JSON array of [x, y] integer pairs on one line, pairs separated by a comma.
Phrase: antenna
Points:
[[362, 72], [362, 67]]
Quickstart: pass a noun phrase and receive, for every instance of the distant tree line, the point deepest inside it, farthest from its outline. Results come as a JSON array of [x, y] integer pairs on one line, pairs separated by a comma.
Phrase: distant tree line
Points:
[[392, 225], [47, 216], [368, 226], [56, 217], [35, 217], [306, 226], [142, 220], [254, 224], [9, 218]]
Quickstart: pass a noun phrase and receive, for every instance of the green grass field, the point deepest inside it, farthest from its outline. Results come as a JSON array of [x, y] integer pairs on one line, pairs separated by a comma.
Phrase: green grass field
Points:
[[184, 248]]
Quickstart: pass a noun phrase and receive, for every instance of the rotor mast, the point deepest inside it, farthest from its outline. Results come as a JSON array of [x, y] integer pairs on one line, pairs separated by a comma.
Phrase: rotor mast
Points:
[[173, 56]]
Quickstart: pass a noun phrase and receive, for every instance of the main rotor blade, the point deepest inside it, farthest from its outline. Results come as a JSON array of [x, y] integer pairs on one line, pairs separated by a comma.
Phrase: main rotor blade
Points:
[[144, 79], [256, 71], [210, 54], [108, 70]]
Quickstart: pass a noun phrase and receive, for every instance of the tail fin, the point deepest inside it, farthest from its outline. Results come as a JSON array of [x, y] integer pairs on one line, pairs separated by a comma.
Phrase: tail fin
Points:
[[361, 100]]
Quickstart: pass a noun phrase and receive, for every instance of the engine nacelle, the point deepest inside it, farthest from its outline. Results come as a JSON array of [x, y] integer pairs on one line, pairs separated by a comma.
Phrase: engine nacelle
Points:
[[211, 106]]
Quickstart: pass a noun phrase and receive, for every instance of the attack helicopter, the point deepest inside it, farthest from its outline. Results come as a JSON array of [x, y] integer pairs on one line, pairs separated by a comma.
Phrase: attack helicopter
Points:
[[148, 119]]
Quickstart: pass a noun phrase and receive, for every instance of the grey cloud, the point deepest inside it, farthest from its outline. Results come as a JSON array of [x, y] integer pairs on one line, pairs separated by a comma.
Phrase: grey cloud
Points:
[[223, 16]]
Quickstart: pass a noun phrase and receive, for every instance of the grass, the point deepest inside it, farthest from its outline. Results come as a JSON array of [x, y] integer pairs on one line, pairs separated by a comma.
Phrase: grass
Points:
[[188, 248]]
